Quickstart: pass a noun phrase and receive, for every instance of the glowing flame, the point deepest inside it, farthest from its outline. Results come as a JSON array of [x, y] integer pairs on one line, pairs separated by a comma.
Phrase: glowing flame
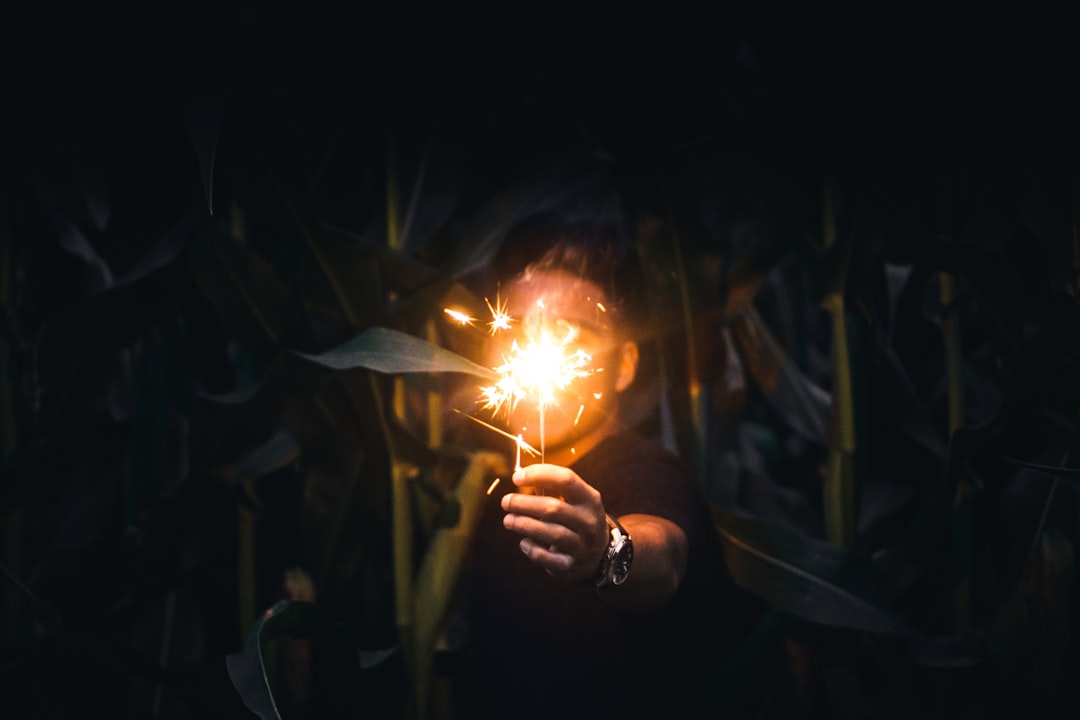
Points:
[[538, 370]]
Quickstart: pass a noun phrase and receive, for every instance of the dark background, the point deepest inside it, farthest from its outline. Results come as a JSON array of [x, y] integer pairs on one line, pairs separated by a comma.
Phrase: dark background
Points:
[[956, 131]]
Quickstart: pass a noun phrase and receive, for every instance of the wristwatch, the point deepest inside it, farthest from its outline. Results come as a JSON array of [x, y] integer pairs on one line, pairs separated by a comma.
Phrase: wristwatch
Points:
[[615, 565]]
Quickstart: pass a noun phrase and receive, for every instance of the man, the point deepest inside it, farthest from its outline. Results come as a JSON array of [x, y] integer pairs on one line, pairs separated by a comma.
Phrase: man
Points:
[[595, 575]]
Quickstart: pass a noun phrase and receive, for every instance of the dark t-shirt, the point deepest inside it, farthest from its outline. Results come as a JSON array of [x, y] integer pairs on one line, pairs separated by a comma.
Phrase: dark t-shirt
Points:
[[539, 647]]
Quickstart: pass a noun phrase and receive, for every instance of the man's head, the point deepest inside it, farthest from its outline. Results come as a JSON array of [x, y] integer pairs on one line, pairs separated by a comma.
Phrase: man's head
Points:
[[570, 308]]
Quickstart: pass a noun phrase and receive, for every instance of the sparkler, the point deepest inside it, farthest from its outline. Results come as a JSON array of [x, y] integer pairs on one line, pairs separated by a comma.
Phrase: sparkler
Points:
[[545, 364], [540, 365], [519, 441]]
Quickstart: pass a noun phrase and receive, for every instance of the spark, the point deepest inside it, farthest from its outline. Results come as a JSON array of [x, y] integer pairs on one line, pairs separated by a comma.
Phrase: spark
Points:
[[581, 409], [500, 319], [491, 487], [459, 316], [601, 307]]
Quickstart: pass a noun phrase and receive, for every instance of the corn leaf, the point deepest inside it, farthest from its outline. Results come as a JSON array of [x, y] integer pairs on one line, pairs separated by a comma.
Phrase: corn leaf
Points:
[[390, 351], [229, 426], [1068, 475], [248, 668], [795, 397], [809, 578]]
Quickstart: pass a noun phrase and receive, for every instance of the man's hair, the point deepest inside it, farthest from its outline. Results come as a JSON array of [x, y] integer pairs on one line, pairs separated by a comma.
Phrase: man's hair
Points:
[[593, 251]]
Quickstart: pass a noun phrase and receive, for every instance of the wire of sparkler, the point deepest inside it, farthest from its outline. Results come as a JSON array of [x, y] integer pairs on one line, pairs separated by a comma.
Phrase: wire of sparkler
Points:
[[518, 440]]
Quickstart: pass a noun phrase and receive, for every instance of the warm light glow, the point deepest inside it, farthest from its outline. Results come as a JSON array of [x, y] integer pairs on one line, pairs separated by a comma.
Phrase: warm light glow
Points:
[[538, 370], [539, 365], [459, 316]]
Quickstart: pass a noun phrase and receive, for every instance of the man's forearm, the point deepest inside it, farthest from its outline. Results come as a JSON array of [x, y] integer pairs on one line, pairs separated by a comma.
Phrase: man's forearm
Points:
[[660, 550]]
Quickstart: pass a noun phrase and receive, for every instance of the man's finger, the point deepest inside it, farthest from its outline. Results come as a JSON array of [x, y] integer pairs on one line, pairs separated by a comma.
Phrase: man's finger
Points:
[[557, 480], [544, 532], [551, 560]]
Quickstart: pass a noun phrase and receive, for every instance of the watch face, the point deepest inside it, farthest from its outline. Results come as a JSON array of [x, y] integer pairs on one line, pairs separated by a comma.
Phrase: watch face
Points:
[[620, 563]]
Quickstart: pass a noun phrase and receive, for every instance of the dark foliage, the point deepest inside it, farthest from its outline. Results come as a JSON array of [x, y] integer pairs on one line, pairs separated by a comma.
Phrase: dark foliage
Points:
[[197, 213]]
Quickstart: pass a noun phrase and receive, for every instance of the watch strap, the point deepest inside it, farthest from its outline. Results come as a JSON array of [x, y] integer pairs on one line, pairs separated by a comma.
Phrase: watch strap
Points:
[[616, 536]]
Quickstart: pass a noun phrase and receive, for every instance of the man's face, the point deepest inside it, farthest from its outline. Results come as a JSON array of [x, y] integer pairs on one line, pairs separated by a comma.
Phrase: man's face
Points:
[[562, 322]]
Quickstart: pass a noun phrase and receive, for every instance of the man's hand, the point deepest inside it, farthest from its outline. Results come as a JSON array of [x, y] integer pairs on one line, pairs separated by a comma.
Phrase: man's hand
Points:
[[565, 532], [561, 519]]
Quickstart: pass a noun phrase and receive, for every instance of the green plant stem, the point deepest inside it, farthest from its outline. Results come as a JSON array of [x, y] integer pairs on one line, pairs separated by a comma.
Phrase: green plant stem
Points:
[[245, 560], [13, 531], [840, 468], [402, 529], [1076, 238], [961, 534], [434, 399], [440, 570], [950, 328], [694, 390], [693, 373], [13, 520], [7, 412], [393, 228], [839, 481]]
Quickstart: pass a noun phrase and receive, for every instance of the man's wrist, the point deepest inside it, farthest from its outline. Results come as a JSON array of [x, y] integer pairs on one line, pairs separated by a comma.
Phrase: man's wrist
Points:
[[615, 563]]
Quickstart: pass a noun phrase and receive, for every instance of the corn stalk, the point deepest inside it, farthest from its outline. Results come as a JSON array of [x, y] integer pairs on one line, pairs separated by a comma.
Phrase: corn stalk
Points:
[[961, 520], [1076, 238], [839, 483], [12, 519], [422, 596], [949, 322]]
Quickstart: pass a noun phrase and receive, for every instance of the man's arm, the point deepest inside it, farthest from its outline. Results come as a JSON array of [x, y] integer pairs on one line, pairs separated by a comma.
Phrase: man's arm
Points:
[[564, 531]]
